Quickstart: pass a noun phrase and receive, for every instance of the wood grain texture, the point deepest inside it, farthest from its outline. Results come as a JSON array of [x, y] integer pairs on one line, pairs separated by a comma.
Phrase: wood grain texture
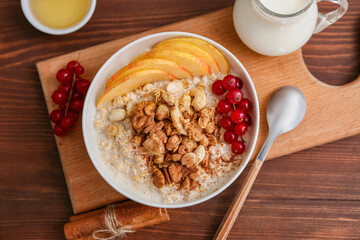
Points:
[[267, 73], [313, 194]]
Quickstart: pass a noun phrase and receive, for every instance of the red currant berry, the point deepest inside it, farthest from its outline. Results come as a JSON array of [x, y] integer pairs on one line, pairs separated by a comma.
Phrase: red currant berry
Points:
[[79, 69], [238, 116], [63, 106], [230, 136], [76, 95], [71, 66], [227, 123], [239, 83], [234, 96], [59, 97], [230, 82], [59, 131], [247, 119], [67, 123], [73, 115], [238, 147], [224, 106], [76, 105], [244, 104], [63, 76], [82, 86], [65, 87], [218, 88], [241, 129], [56, 115]]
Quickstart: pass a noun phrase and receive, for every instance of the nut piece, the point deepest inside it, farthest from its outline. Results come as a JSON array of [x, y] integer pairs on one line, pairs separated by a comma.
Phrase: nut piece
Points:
[[176, 119], [210, 128], [154, 145], [194, 175], [117, 115], [159, 159], [173, 143], [169, 98], [138, 139], [130, 109], [187, 145], [138, 122], [185, 106], [176, 157], [175, 172], [161, 135], [200, 153], [199, 101], [205, 117], [175, 87], [168, 128], [166, 175], [149, 109], [162, 112], [185, 183], [204, 141], [139, 119], [149, 124], [188, 159], [195, 133], [159, 179]]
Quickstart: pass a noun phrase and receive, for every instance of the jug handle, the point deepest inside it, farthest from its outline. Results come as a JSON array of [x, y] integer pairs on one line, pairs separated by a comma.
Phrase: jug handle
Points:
[[325, 20]]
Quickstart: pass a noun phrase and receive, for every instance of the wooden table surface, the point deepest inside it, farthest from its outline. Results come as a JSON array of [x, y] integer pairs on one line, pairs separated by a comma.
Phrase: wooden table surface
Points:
[[313, 194]]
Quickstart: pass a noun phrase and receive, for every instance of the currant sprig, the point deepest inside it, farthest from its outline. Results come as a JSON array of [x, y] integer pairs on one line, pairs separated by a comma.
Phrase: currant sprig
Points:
[[69, 96], [235, 109]]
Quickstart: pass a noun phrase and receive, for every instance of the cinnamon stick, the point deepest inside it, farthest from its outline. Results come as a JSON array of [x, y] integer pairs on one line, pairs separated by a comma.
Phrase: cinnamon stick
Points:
[[128, 213]]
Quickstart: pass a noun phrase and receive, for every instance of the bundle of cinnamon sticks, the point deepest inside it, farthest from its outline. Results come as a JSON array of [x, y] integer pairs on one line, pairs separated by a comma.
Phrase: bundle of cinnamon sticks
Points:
[[130, 214]]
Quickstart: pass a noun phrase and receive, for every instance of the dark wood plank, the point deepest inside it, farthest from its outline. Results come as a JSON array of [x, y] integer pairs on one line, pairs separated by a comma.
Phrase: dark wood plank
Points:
[[313, 194]]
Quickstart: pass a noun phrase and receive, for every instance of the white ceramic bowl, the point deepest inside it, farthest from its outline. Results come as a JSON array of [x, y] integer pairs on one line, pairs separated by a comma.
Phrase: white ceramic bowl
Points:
[[122, 58], [25, 5]]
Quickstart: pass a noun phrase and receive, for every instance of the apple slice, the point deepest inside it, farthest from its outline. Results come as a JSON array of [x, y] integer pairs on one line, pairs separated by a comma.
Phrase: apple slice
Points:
[[193, 49], [148, 64], [132, 82], [218, 56], [195, 65]]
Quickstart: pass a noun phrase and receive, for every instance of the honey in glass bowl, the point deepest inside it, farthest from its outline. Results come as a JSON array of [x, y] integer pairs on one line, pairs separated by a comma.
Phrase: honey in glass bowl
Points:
[[59, 14]]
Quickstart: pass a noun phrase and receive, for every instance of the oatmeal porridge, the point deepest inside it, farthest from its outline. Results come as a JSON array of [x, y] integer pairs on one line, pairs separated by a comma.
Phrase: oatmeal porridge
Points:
[[164, 139]]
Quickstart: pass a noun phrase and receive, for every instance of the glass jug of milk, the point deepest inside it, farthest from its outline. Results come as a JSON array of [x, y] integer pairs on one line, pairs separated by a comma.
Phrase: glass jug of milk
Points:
[[279, 27]]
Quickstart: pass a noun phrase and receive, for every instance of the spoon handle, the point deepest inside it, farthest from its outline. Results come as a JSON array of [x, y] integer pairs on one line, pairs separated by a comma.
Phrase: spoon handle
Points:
[[230, 217]]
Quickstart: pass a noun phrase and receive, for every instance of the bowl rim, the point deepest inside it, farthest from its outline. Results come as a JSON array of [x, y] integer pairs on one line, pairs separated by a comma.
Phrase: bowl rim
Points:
[[25, 6], [255, 126]]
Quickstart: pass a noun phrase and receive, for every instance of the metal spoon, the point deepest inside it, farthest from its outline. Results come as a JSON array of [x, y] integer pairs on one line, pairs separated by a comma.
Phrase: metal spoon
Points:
[[285, 111]]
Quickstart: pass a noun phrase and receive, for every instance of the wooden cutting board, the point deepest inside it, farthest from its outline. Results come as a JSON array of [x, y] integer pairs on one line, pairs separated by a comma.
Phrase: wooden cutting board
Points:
[[332, 112]]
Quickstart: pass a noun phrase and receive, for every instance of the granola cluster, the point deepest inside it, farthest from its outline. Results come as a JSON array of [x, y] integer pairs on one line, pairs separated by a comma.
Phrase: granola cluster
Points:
[[176, 132]]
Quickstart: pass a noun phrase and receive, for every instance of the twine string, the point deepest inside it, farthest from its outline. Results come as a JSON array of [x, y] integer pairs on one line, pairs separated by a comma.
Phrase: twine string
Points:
[[113, 228]]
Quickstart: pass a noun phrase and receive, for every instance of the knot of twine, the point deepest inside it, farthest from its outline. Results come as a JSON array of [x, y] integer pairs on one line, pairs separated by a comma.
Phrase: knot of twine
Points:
[[113, 228]]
